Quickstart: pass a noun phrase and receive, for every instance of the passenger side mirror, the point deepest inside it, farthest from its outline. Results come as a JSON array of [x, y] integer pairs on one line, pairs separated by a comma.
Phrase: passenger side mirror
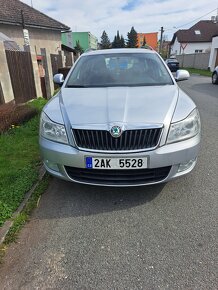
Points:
[[58, 79], [182, 75]]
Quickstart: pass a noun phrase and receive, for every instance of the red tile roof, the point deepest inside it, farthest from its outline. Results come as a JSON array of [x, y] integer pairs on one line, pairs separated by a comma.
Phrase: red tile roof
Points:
[[207, 28], [10, 13]]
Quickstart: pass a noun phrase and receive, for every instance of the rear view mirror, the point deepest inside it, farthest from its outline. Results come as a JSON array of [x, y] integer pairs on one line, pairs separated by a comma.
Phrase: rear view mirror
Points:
[[58, 79], [182, 75]]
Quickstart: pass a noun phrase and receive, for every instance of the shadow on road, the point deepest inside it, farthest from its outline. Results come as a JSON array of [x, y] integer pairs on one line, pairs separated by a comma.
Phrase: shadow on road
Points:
[[207, 89], [65, 199]]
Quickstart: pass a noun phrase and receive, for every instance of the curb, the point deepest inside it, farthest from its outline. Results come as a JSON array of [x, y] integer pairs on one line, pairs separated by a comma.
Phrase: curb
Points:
[[9, 223]]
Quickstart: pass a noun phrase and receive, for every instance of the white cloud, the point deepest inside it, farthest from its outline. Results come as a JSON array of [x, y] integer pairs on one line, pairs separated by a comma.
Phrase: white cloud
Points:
[[98, 15]]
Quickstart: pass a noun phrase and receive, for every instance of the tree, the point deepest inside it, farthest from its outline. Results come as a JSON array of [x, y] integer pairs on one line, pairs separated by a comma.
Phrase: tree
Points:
[[105, 41], [114, 43], [144, 45], [119, 41], [78, 47], [132, 40], [144, 41], [122, 41]]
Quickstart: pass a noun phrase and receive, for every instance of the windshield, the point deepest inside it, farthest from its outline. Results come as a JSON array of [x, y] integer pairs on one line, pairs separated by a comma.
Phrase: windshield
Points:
[[120, 69]]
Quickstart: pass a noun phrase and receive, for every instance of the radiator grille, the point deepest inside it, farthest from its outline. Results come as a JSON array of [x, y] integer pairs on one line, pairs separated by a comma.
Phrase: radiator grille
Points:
[[129, 140]]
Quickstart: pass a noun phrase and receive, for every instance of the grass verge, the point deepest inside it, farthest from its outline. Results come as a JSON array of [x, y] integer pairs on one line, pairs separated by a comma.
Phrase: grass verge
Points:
[[23, 217], [202, 72], [19, 163]]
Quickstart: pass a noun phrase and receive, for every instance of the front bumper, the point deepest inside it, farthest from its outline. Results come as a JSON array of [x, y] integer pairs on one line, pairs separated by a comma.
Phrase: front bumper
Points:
[[180, 157]]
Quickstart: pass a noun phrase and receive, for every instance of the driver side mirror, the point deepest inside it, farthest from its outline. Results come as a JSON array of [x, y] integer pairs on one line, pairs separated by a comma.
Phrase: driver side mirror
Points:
[[58, 79]]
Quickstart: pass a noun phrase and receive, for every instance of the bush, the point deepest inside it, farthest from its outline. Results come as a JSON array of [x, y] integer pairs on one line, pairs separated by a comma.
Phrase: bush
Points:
[[13, 115], [38, 104]]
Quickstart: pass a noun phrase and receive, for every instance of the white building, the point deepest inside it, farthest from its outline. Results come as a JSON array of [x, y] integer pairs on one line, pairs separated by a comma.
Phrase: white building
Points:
[[200, 38]]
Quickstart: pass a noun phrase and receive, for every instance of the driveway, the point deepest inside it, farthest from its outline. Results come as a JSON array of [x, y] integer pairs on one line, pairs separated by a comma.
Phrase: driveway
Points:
[[155, 237]]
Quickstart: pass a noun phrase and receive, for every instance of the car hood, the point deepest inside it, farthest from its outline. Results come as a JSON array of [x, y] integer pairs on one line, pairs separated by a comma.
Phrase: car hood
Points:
[[103, 107]]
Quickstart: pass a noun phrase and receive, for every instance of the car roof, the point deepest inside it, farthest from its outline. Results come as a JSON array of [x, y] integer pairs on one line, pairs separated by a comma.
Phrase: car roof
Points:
[[118, 50]]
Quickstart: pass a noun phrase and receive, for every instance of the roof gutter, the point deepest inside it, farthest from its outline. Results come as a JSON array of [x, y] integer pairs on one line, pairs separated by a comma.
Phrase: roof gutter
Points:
[[36, 26]]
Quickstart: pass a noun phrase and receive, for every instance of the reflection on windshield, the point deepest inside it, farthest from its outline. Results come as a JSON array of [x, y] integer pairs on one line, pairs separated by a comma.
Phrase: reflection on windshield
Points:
[[120, 69]]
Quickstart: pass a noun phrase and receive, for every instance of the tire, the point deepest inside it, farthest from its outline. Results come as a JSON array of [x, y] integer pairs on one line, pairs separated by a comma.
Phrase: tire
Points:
[[215, 78]]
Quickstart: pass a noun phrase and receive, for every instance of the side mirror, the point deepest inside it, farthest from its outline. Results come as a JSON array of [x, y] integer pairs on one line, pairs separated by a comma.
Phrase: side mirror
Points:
[[58, 79], [182, 75]]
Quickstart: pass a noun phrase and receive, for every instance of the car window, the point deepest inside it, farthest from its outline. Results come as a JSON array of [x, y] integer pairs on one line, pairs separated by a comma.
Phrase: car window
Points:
[[120, 69]]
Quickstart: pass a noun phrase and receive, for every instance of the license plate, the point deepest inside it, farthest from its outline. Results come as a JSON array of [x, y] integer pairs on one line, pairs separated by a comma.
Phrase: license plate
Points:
[[116, 163]]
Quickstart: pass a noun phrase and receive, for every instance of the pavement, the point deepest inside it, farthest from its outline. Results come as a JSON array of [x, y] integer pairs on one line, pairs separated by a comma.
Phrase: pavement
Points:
[[154, 237]]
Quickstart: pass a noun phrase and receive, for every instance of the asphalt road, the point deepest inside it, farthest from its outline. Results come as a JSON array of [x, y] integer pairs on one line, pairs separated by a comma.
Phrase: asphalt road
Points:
[[156, 237]]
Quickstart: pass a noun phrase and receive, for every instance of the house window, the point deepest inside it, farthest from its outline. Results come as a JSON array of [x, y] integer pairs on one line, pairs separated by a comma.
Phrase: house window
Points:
[[198, 50], [197, 32]]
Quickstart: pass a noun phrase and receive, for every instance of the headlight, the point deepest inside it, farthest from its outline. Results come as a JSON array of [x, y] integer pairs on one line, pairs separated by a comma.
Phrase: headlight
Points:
[[185, 129], [51, 130]]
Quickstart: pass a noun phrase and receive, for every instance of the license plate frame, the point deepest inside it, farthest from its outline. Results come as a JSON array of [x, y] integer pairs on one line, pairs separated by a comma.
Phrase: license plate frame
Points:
[[111, 163]]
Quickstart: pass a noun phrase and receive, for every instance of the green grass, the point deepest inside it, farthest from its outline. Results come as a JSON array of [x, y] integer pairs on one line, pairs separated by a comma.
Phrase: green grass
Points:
[[202, 72], [38, 103], [19, 163], [23, 217]]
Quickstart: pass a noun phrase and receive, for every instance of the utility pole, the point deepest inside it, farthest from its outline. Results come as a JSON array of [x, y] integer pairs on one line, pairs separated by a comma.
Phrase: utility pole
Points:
[[25, 33], [161, 39]]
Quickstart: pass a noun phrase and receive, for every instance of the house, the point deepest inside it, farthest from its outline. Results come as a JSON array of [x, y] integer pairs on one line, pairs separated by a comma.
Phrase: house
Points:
[[86, 39], [150, 39], [35, 32], [197, 39], [43, 30]]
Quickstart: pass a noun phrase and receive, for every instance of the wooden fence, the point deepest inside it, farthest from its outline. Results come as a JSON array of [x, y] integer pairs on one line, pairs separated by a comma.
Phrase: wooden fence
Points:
[[56, 63], [22, 77], [2, 100]]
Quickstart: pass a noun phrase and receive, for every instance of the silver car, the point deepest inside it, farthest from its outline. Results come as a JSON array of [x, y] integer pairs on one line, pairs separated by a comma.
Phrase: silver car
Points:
[[120, 119]]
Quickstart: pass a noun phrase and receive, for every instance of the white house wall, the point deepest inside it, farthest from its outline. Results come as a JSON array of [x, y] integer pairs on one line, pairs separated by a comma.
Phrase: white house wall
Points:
[[189, 48], [213, 54], [175, 48]]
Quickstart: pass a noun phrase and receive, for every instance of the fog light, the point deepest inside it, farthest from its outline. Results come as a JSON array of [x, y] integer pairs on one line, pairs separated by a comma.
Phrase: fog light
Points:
[[51, 165], [187, 165]]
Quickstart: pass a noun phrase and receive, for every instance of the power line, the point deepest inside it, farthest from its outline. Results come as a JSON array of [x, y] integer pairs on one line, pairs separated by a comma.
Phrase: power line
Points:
[[196, 19], [170, 29]]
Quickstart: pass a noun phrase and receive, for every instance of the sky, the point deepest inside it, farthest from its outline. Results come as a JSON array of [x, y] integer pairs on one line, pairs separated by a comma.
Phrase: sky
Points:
[[112, 15]]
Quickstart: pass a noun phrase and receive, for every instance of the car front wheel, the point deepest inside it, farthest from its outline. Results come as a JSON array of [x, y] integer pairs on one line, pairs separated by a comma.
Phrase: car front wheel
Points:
[[215, 78]]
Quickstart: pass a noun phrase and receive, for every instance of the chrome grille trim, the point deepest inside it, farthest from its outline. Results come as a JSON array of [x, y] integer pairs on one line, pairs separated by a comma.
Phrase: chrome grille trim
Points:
[[130, 140]]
